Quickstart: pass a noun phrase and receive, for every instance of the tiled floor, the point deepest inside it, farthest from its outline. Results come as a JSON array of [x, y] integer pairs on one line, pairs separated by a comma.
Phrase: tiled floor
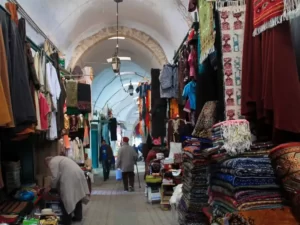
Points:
[[111, 206]]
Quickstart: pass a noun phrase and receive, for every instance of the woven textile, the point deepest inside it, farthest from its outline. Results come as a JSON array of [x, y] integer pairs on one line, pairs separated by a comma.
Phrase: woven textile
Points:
[[206, 30], [232, 31], [72, 89], [286, 160], [206, 120], [267, 14]]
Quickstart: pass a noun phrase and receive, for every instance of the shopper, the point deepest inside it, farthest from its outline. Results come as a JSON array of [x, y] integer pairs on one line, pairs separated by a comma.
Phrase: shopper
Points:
[[126, 160], [105, 157], [69, 179]]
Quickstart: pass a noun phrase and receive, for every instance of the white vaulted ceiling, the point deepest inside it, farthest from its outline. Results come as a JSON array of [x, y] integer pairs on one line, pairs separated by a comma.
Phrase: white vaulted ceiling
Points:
[[80, 28]]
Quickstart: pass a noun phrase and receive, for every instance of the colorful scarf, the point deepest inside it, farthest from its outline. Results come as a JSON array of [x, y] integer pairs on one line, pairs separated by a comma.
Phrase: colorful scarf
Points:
[[232, 30], [206, 29]]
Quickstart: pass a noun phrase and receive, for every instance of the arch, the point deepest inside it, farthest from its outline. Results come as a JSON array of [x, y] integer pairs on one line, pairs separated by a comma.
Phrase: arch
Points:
[[139, 36]]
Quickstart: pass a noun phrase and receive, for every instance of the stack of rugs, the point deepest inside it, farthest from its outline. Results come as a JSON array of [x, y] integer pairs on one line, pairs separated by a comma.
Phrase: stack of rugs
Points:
[[233, 136], [195, 183], [245, 182]]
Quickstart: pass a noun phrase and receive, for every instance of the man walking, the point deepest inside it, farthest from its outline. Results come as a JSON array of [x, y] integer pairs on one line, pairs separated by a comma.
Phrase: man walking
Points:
[[127, 158], [105, 157]]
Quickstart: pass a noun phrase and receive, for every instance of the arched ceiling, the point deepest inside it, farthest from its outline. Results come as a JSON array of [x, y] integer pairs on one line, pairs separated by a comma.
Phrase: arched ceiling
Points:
[[80, 28]]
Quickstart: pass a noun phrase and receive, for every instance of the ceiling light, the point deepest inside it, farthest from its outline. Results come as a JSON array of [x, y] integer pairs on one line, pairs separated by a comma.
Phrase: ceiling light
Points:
[[114, 38], [130, 89], [116, 64], [109, 60], [126, 73], [133, 83]]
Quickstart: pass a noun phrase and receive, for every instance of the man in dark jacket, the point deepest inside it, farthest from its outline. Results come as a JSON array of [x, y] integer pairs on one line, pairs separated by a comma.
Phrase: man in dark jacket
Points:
[[105, 157]]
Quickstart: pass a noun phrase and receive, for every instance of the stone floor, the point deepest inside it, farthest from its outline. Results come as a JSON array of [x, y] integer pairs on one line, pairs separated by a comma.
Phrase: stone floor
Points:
[[110, 205]]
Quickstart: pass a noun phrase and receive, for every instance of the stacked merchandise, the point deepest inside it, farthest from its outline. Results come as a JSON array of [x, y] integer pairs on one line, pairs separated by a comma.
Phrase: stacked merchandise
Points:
[[194, 188], [244, 183], [241, 177]]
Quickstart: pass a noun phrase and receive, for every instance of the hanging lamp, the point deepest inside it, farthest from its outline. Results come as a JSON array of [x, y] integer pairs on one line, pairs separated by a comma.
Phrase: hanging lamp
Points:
[[130, 89], [116, 62]]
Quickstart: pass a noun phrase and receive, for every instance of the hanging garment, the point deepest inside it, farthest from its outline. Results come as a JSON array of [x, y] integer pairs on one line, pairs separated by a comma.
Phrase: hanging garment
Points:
[[206, 29], [22, 102], [66, 122], [193, 62], [210, 82], [12, 8], [73, 123], [86, 136], [44, 111], [269, 65], [66, 141], [54, 89], [158, 107], [192, 5], [36, 92], [113, 129], [6, 114], [190, 92], [4, 111], [72, 90], [169, 81], [62, 97], [84, 97]]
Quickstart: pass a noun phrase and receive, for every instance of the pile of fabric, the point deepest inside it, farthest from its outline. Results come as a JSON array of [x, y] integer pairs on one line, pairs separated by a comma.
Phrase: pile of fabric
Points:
[[246, 182], [234, 136], [194, 188]]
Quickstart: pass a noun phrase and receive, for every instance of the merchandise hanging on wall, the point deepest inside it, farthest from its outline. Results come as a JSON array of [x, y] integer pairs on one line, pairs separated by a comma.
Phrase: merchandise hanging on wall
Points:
[[232, 30]]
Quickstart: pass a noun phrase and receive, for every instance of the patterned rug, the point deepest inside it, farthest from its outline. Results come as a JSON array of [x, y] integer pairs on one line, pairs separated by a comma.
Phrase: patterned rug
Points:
[[232, 29]]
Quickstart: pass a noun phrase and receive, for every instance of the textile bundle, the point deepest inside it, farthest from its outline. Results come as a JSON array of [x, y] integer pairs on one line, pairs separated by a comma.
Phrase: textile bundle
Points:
[[244, 183], [194, 183], [234, 136], [232, 20], [286, 158]]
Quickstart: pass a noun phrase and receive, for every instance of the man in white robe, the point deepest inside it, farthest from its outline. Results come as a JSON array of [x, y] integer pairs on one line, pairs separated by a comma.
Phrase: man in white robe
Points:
[[69, 179]]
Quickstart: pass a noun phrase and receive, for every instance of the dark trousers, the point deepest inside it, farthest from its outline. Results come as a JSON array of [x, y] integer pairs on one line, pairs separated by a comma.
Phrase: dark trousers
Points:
[[106, 164], [67, 218], [128, 176]]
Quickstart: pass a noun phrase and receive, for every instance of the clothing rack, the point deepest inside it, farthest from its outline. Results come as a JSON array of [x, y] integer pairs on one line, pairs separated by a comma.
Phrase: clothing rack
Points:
[[194, 26], [32, 23]]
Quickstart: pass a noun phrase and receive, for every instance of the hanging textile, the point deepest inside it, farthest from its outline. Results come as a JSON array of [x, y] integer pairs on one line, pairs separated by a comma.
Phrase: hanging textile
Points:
[[232, 28], [158, 107], [12, 8], [62, 97], [22, 101], [268, 14], [270, 85], [206, 28], [84, 97], [174, 109], [72, 89], [6, 114]]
